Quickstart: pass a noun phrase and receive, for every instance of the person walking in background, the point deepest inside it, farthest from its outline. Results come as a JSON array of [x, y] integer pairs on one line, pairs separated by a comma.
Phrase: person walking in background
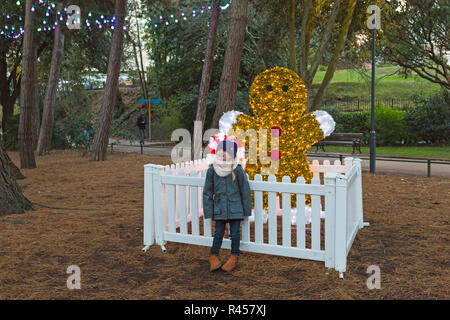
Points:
[[142, 124]]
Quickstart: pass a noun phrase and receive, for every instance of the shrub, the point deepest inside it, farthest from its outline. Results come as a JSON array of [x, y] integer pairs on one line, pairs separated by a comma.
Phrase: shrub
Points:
[[430, 120], [119, 125], [59, 138], [73, 119], [352, 122], [167, 117], [78, 129], [390, 125]]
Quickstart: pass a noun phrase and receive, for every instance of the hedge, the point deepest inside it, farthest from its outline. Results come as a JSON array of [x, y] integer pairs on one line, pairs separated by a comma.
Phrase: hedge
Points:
[[429, 121]]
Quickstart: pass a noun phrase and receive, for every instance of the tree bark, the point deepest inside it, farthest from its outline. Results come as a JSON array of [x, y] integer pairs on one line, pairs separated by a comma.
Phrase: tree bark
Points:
[[292, 47], [334, 60], [232, 63], [8, 111], [303, 39], [45, 135], [11, 198], [27, 159], [141, 75], [103, 125], [206, 79], [36, 114], [13, 170], [141, 68], [324, 42], [9, 84]]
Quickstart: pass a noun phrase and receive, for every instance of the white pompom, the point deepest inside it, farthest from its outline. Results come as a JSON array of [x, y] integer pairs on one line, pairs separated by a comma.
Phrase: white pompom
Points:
[[326, 121], [227, 120]]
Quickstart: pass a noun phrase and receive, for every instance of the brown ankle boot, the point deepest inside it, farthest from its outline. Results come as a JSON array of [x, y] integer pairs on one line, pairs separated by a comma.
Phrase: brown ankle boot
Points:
[[214, 263], [230, 264]]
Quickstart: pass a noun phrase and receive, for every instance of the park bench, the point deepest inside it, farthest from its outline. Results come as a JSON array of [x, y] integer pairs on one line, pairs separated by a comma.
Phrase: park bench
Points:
[[341, 139]]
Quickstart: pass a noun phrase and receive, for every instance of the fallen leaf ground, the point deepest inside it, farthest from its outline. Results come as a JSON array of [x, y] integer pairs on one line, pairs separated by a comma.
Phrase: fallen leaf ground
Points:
[[96, 223]]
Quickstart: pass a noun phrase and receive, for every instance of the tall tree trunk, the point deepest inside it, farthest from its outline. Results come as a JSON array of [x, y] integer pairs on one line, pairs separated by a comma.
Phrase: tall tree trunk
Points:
[[103, 126], [141, 75], [4, 89], [45, 135], [11, 198], [334, 60], [13, 170], [303, 39], [8, 111], [232, 63], [9, 82], [292, 47], [27, 159], [325, 38], [141, 68], [36, 114], [206, 79]]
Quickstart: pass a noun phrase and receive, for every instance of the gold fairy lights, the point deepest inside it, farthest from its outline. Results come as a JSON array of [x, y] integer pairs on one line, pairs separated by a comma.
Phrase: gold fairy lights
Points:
[[278, 100]]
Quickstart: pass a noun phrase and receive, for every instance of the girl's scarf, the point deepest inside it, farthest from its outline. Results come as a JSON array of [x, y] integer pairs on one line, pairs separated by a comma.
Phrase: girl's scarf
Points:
[[224, 168]]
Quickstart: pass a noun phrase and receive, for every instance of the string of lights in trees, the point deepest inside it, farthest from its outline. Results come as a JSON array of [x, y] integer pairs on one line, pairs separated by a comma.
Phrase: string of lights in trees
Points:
[[160, 20], [101, 21], [53, 17]]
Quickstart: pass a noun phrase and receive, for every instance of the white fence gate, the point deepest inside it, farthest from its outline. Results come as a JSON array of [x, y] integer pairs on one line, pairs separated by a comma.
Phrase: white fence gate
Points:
[[173, 201]]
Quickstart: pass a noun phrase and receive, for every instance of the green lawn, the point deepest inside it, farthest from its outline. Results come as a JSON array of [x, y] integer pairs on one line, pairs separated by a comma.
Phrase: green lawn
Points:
[[348, 84], [427, 152]]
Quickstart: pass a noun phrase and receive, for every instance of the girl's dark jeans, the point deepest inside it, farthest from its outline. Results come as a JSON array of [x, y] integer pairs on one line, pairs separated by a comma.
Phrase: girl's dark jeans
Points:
[[235, 235]]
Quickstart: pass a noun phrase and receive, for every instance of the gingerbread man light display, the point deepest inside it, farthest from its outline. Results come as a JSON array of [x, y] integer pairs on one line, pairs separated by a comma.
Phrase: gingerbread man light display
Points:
[[278, 99]]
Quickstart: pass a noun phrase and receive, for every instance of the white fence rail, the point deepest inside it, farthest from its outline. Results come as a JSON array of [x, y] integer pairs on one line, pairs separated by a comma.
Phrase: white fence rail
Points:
[[173, 211]]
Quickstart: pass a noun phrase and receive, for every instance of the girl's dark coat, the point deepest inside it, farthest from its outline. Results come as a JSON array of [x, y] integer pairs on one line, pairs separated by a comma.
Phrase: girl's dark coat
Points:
[[225, 199]]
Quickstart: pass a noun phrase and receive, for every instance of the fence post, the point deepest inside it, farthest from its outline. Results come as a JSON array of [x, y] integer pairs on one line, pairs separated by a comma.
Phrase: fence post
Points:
[[359, 194], [157, 200], [149, 224], [330, 219], [429, 168], [341, 225]]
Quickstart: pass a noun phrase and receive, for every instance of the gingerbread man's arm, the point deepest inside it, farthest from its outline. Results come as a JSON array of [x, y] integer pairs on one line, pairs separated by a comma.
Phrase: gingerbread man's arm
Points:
[[246, 129], [315, 127], [242, 126], [246, 122]]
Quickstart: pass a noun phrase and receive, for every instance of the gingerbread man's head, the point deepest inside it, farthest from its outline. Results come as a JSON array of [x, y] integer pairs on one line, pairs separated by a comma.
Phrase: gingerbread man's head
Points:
[[278, 93]]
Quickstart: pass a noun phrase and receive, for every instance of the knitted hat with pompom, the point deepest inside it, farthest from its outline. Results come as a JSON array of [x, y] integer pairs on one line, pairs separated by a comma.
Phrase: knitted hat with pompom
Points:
[[229, 147]]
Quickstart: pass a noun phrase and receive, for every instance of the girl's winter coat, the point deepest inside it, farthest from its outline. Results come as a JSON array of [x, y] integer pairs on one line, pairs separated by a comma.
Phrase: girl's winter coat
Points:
[[225, 199]]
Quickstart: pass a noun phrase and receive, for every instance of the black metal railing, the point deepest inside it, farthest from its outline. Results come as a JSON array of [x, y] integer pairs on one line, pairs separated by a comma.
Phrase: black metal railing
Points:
[[365, 105], [429, 162]]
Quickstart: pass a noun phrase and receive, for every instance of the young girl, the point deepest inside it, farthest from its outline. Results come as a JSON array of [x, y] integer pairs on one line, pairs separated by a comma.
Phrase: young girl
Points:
[[226, 199]]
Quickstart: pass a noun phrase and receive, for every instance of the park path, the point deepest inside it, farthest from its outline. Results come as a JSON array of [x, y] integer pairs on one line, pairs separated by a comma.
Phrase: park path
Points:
[[382, 166]]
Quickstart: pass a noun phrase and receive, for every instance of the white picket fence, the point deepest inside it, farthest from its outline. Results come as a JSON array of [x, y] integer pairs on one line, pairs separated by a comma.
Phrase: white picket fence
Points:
[[173, 202]]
